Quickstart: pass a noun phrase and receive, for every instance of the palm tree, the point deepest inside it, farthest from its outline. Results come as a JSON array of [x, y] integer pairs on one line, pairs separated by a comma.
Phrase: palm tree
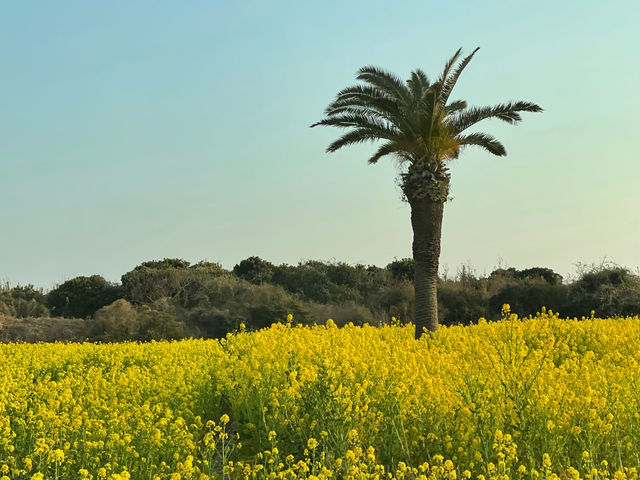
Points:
[[423, 130]]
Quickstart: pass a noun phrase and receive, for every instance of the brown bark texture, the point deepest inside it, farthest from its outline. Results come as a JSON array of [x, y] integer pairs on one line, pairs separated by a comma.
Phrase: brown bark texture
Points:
[[426, 220]]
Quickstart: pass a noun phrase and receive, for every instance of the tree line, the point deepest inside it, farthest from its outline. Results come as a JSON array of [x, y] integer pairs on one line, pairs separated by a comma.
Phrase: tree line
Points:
[[173, 298]]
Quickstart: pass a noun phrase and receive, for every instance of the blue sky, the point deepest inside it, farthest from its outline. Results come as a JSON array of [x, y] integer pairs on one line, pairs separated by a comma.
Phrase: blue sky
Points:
[[132, 131]]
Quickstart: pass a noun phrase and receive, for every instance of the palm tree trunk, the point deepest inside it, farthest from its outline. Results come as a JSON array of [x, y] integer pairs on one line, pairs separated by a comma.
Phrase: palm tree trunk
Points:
[[426, 220]]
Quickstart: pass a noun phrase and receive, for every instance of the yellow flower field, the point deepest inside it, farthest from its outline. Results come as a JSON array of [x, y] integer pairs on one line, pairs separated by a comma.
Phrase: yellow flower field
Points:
[[516, 399]]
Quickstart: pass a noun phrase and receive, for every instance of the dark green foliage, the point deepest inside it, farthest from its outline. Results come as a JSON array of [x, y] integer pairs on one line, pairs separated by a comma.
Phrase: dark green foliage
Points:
[[269, 303], [607, 290], [211, 322], [156, 279], [459, 304], [343, 274], [151, 281], [319, 282], [594, 280], [204, 267], [254, 270], [212, 306], [27, 293], [158, 325], [402, 269], [396, 300], [81, 297], [527, 296], [164, 264], [535, 273]]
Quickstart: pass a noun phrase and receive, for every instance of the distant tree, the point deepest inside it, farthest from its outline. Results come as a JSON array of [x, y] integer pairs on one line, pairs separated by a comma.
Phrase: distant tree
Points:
[[595, 279], [115, 322], [608, 290], [343, 274], [254, 270], [397, 300], [156, 279], [423, 129], [314, 281], [402, 269], [208, 267], [81, 297], [460, 303], [23, 301], [545, 274], [27, 292], [164, 264], [526, 296]]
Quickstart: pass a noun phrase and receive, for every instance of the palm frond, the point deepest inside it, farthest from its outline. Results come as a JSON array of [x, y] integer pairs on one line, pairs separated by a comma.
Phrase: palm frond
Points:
[[365, 98], [418, 83], [353, 137], [455, 106], [447, 69], [363, 119], [507, 112], [483, 140], [385, 81], [450, 80], [426, 112], [373, 127], [362, 93], [388, 148]]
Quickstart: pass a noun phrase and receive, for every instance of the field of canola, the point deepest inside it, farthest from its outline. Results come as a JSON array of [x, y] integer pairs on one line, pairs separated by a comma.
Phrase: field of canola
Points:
[[516, 399]]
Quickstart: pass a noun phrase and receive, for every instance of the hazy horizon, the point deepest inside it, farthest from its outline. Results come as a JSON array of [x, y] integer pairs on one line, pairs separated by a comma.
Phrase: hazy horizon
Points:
[[134, 132]]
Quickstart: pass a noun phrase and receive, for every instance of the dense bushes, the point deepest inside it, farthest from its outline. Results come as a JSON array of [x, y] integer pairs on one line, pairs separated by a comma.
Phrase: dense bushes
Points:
[[610, 291], [81, 297], [254, 270], [123, 321], [21, 302], [151, 281], [172, 298], [213, 305]]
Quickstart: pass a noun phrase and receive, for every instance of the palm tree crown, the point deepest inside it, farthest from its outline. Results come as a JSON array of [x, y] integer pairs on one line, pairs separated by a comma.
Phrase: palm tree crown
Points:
[[415, 119]]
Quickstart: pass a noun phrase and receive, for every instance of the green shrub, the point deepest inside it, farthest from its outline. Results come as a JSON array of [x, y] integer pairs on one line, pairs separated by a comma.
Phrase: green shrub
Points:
[[81, 297], [312, 281], [254, 270], [151, 281], [609, 291], [115, 322], [158, 325], [348, 312], [22, 302], [402, 269], [123, 321], [528, 296], [396, 300], [459, 304]]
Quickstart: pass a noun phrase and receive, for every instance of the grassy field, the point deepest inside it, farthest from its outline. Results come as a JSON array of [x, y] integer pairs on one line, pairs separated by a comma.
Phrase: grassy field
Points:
[[516, 399]]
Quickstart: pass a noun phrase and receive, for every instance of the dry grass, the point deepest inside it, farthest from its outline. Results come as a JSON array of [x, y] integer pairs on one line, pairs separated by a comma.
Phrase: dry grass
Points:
[[42, 329]]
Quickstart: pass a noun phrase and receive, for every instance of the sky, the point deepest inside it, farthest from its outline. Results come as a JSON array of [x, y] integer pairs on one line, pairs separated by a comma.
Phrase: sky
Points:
[[132, 131]]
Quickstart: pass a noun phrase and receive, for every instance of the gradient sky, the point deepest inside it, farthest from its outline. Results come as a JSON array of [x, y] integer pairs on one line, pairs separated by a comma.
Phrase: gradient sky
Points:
[[132, 131]]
